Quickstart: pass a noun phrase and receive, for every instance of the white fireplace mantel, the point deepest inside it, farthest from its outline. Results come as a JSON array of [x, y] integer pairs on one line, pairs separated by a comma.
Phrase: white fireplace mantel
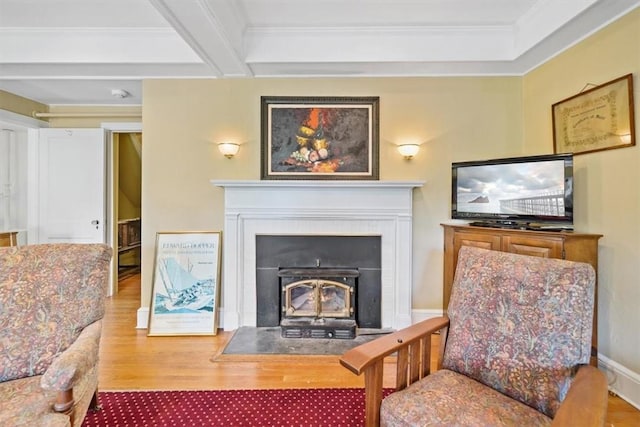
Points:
[[380, 208]]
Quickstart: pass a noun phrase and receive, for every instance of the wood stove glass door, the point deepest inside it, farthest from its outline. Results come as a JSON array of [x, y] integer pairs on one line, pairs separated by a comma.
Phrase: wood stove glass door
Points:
[[317, 298]]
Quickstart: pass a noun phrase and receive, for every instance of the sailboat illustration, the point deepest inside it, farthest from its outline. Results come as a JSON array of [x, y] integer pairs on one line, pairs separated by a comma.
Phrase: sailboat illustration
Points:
[[183, 292]]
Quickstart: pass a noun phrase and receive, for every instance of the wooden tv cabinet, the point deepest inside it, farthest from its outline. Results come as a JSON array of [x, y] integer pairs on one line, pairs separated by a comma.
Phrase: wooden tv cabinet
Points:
[[549, 244]]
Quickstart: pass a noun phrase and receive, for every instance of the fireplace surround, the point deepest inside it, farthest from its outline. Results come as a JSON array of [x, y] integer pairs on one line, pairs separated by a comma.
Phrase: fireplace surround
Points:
[[323, 208]]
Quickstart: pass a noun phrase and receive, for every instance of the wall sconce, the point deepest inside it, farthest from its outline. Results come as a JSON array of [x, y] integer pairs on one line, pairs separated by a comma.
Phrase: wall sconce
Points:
[[228, 149], [408, 150]]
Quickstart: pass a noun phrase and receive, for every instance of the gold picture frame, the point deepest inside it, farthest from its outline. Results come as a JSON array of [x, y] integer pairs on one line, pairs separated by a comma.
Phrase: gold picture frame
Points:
[[185, 286], [319, 138], [601, 118]]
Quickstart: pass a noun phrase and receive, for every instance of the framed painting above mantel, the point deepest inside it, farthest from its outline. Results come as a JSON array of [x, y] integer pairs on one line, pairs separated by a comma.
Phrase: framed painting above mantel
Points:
[[326, 138]]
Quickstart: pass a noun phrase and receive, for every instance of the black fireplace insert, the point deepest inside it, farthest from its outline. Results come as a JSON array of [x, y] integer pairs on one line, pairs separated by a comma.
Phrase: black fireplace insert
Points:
[[332, 283]]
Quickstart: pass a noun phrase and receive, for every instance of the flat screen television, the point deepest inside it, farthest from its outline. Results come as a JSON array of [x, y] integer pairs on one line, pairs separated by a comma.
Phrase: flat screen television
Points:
[[517, 192]]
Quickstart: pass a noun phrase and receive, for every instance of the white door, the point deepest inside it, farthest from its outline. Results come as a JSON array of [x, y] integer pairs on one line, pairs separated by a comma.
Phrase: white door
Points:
[[71, 186]]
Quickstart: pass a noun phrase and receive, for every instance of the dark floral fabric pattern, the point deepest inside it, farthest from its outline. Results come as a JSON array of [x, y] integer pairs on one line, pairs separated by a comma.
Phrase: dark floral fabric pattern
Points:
[[465, 403], [51, 302], [48, 294], [520, 324]]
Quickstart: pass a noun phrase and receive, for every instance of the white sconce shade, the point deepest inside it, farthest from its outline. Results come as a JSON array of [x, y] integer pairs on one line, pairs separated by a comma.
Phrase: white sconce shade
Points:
[[228, 149], [408, 150]]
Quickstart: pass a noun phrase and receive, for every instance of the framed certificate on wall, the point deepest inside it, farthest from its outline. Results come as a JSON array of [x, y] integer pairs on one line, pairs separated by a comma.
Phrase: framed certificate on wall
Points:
[[601, 118]]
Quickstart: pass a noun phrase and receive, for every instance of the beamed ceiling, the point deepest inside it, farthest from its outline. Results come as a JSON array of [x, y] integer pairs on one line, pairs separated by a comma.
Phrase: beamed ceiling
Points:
[[78, 51]]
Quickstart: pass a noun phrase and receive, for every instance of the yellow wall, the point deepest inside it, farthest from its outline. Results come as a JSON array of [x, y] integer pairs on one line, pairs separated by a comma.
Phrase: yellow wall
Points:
[[19, 105], [607, 194], [129, 176], [455, 119], [126, 148]]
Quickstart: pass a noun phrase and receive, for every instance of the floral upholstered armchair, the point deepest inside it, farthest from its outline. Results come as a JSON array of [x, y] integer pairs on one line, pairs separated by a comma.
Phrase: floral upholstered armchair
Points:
[[514, 350], [52, 298]]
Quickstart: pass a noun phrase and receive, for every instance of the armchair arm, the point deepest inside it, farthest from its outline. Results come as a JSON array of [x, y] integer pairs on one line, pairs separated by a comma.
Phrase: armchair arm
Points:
[[586, 401], [72, 364], [413, 347]]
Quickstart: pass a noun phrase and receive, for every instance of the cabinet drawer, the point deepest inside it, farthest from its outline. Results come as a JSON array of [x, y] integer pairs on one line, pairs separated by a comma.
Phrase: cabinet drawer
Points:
[[479, 240], [541, 247]]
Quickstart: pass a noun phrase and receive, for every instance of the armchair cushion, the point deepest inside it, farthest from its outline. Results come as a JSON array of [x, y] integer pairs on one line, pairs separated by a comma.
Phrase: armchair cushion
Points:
[[483, 405], [521, 351], [47, 312], [520, 324], [51, 302]]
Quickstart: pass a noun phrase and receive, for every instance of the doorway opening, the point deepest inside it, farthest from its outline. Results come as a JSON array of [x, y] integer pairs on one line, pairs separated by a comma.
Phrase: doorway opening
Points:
[[127, 201]]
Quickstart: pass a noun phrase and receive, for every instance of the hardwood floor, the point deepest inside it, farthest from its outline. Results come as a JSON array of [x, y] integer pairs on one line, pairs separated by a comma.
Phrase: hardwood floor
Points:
[[130, 360]]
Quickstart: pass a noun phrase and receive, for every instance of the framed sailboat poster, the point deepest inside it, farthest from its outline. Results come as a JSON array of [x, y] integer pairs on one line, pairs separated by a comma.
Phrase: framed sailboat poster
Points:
[[184, 292]]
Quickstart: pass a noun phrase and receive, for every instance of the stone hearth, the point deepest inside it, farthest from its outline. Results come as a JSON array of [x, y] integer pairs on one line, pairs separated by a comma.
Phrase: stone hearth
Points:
[[348, 208]]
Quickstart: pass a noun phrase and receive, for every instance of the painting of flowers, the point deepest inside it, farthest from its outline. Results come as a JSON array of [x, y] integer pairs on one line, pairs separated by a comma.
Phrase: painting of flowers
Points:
[[319, 138]]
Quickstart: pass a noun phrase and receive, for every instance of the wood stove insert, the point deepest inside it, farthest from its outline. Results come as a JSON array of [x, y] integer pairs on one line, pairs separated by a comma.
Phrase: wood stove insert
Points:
[[291, 258], [318, 302]]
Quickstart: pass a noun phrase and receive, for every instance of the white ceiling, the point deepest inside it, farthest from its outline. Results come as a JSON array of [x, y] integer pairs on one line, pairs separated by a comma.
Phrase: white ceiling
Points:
[[78, 51]]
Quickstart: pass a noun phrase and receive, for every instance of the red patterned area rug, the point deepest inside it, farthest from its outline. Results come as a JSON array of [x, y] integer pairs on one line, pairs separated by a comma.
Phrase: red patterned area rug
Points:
[[333, 407]]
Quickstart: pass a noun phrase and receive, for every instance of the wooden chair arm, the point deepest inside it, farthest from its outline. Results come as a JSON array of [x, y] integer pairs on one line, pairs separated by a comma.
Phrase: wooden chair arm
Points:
[[586, 401], [413, 362], [364, 355]]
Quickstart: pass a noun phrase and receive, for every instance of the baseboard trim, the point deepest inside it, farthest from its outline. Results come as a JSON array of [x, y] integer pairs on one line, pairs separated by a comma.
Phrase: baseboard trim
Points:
[[143, 318], [622, 380], [418, 315], [221, 318]]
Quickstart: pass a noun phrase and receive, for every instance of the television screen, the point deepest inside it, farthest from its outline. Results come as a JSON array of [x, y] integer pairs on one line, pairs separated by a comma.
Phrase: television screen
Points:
[[518, 190]]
